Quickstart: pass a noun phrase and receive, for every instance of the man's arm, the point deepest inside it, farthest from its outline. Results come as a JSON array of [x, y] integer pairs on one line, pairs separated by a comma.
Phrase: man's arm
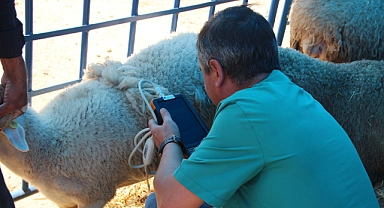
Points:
[[169, 192], [14, 78]]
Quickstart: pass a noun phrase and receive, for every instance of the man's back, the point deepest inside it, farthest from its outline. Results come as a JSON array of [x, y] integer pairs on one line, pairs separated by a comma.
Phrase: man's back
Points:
[[283, 149], [309, 159]]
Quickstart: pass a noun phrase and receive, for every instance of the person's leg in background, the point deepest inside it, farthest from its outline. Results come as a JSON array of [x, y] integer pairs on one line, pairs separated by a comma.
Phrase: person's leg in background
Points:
[[151, 202], [6, 200]]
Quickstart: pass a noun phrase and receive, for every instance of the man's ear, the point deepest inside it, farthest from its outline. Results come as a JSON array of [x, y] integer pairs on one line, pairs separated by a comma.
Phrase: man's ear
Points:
[[217, 71]]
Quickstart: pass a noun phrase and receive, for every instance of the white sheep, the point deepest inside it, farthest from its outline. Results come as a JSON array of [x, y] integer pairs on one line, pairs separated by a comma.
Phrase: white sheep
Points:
[[352, 92], [79, 146], [337, 30], [80, 142]]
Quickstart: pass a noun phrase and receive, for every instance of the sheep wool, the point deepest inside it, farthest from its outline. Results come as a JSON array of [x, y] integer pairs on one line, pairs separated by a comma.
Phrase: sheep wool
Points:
[[80, 142], [343, 31]]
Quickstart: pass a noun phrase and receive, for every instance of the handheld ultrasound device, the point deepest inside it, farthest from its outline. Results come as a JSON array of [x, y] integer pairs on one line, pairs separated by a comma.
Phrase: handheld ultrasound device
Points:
[[192, 128]]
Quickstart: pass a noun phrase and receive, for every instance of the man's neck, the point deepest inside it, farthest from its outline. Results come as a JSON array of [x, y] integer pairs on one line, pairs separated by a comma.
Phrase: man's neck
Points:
[[230, 87], [259, 78]]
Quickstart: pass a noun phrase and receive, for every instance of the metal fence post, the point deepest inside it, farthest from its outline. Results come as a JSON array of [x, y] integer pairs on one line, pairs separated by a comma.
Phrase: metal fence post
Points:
[[283, 22], [132, 30], [84, 37], [175, 16]]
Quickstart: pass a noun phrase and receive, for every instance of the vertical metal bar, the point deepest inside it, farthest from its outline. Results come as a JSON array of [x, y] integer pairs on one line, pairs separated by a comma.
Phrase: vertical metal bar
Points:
[[283, 21], [132, 29], [28, 45], [25, 186], [84, 37], [175, 16], [211, 10], [272, 12]]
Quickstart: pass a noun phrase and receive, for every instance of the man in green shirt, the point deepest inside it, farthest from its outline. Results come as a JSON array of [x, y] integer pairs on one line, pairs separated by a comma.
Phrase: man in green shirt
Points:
[[271, 143]]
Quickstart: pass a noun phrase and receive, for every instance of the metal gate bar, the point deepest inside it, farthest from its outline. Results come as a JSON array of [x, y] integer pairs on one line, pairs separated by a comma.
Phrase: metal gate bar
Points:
[[283, 22]]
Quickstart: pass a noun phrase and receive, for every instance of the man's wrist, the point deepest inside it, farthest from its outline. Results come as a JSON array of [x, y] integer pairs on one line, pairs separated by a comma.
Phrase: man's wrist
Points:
[[172, 139], [15, 69]]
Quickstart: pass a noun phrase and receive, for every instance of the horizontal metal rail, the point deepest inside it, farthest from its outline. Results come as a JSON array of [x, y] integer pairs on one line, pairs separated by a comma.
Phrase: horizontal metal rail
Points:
[[30, 37]]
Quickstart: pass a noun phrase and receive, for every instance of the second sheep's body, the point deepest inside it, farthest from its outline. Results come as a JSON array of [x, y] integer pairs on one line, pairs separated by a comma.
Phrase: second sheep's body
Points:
[[80, 142], [337, 30]]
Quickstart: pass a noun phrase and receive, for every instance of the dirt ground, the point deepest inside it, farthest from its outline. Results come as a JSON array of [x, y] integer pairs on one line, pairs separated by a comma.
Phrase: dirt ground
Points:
[[57, 60]]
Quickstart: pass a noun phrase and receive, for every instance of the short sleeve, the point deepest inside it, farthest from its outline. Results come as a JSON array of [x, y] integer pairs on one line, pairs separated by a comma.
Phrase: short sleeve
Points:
[[225, 159]]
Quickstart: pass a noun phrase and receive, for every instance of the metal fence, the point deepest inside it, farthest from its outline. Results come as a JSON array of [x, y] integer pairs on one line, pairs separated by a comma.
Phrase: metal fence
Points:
[[84, 29]]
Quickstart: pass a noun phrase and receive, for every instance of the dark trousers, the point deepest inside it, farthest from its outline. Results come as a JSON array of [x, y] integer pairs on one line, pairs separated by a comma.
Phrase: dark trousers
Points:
[[6, 200], [151, 202]]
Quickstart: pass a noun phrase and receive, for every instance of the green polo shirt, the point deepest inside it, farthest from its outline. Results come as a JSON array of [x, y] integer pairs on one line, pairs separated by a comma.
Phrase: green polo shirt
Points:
[[273, 145]]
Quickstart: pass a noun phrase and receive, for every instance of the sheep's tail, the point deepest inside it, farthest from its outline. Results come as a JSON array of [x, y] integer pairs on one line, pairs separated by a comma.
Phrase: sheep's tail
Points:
[[112, 73]]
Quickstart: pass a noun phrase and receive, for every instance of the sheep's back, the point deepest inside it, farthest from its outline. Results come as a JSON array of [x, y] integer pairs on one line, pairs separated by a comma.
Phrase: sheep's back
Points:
[[173, 64]]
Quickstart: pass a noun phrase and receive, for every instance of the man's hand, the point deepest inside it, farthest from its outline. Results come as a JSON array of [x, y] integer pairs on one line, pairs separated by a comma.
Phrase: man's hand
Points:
[[14, 81], [164, 131], [169, 192]]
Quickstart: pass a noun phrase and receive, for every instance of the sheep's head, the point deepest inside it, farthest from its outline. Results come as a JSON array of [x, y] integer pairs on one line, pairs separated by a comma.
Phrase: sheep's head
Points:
[[316, 32], [324, 45]]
